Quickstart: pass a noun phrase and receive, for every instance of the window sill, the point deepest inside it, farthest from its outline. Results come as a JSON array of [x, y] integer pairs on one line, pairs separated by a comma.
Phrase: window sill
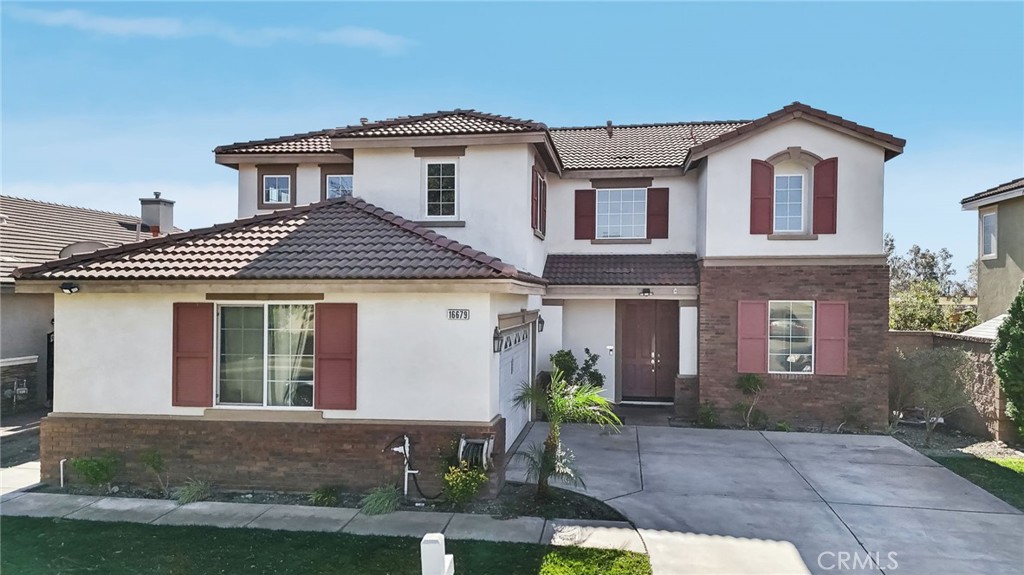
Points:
[[785, 236], [227, 413], [612, 241], [441, 223], [989, 257], [538, 234]]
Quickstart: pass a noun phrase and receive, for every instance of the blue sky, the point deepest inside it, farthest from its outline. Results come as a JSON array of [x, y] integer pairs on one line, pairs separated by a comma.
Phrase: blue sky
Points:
[[105, 103]]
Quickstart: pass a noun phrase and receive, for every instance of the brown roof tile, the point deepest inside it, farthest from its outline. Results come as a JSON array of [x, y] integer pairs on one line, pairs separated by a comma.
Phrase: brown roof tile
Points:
[[336, 239], [443, 123], [35, 232], [1007, 187], [634, 270], [306, 143], [634, 146]]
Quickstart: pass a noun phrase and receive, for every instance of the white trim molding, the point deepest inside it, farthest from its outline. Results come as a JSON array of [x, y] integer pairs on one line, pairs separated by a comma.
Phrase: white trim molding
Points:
[[24, 360]]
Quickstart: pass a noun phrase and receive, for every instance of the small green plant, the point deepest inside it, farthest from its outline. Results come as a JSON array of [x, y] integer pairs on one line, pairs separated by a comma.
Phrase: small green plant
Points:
[[751, 385], [96, 471], [462, 483], [381, 500], [782, 425], [324, 497], [193, 490], [153, 460], [851, 417], [573, 372], [707, 415]]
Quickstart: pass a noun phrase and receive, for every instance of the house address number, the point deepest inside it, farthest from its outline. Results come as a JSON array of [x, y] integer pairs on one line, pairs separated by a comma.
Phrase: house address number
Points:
[[458, 314]]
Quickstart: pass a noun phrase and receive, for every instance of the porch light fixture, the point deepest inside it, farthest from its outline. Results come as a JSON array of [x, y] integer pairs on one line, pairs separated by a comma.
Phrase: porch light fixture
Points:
[[646, 292], [497, 341], [540, 323], [69, 287]]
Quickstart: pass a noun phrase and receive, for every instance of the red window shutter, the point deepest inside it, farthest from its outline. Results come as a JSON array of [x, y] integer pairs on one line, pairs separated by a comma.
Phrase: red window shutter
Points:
[[752, 337], [657, 213], [830, 337], [192, 370], [535, 202], [826, 183], [335, 371], [586, 214], [762, 196], [543, 207]]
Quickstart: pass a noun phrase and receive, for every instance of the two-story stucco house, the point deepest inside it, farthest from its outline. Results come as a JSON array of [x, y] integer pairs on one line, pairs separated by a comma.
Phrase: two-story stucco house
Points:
[[1000, 245], [344, 306]]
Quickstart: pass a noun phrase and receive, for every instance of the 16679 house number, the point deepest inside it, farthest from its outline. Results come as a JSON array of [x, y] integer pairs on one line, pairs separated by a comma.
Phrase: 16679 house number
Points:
[[458, 314]]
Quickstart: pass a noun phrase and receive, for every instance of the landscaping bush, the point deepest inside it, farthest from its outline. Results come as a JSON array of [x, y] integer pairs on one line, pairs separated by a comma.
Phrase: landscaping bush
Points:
[[462, 483], [783, 426], [153, 460], [707, 415], [194, 490], [587, 374], [1008, 357], [939, 381], [96, 471], [901, 389], [751, 385], [381, 500], [324, 497]]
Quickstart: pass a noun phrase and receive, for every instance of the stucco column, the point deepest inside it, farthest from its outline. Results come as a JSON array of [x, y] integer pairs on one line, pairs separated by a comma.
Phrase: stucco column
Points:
[[687, 341]]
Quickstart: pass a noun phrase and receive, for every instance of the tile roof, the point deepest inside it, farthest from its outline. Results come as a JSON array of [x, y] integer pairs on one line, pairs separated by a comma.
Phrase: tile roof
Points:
[[337, 239], [634, 146], [306, 143], [986, 330], [34, 232], [444, 123], [800, 108], [634, 270], [1010, 186]]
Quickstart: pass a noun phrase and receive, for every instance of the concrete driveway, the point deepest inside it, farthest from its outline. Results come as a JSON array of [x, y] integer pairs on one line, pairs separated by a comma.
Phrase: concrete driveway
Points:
[[724, 501]]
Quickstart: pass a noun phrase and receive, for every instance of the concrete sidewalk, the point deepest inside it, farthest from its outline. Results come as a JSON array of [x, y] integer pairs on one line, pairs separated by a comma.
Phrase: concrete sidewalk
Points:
[[565, 532]]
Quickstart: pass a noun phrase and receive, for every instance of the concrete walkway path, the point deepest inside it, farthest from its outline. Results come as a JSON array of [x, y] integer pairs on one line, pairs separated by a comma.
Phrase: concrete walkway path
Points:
[[731, 501], [596, 534]]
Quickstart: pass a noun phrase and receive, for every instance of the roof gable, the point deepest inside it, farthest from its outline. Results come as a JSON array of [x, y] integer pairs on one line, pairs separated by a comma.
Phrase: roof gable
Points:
[[343, 239]]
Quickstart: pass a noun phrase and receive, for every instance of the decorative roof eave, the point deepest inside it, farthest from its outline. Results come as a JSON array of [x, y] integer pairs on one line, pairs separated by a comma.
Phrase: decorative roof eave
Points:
[[1001, 193], [892, 145]]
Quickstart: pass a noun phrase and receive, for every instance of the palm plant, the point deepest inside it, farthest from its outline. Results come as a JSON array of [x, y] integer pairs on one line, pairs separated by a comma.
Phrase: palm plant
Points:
[[562, 402]]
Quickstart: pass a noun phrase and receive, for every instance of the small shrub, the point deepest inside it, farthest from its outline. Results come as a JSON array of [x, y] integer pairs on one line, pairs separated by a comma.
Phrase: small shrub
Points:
[[193, 490], [940, 381], [96, 471], [707, 415], [153, 460], [462, 483], [901, 389], [783, 426], [324, 497], [851, 417], [751, 385], [573, 372], [381, 500]]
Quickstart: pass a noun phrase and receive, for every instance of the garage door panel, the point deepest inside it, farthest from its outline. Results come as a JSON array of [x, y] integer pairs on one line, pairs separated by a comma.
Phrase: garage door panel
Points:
[[515, 370]]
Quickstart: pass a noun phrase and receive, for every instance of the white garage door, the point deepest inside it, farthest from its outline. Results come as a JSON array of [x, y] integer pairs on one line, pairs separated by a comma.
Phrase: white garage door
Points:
[[515, 370]]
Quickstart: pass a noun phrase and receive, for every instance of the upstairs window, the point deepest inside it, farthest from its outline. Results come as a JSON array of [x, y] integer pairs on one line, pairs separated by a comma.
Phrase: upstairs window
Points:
[[441, 189], [539, 203], [277, 189], [789, 203], [622, 213], [989, 228], [338, 186]]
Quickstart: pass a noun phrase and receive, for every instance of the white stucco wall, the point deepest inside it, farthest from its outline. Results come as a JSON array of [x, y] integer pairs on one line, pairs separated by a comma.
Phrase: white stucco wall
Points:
[[682, 224], [591, 323], [306, 187], [860, 195], [688, 340], [550, 340], [247, 187], [114, 353]]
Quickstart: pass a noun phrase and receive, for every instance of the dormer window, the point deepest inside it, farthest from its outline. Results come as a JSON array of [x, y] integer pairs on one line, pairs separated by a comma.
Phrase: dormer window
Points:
[[440, 188], [277, 189], [789, 203]]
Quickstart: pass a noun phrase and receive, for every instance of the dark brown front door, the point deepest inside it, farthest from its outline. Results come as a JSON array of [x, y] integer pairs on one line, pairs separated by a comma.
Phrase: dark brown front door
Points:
[[649, 348]]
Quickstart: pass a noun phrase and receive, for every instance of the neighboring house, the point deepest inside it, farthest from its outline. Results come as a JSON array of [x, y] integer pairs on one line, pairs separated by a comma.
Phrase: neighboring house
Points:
[[291, 346], [33, 232], [1000, 245]]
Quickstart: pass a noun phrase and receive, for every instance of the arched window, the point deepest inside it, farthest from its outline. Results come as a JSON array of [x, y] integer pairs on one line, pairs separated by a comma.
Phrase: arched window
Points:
[[792, 190]]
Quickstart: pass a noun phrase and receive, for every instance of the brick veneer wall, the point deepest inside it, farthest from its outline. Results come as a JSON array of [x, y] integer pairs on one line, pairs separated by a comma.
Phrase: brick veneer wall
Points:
[[801, 400], [986, 417], [281, 456]]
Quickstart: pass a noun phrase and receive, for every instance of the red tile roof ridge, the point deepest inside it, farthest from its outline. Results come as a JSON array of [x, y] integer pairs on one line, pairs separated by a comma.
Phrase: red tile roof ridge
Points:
[[651, 125], [399, 120]]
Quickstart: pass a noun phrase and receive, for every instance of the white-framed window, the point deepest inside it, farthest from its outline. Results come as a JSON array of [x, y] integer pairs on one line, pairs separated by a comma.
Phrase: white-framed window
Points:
[[622, 213], [277, 189], [440, 189], [790, 337], [989, 233], [789, 203], [338, 186], [265, 355]]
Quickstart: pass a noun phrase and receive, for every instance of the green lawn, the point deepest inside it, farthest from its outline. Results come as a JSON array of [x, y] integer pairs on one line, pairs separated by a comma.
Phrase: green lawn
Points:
[[32, 546], [1003, 478]]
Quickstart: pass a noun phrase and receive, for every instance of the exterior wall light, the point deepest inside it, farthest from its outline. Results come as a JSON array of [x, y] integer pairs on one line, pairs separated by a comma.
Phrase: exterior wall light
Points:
[[69, 287], [540, 323], [646, 292], [497, 341]]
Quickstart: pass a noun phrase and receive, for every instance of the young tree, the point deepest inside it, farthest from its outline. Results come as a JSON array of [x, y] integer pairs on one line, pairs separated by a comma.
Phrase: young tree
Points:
[[939, 380], [1008, 357], [916, 307], [562, 402]]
